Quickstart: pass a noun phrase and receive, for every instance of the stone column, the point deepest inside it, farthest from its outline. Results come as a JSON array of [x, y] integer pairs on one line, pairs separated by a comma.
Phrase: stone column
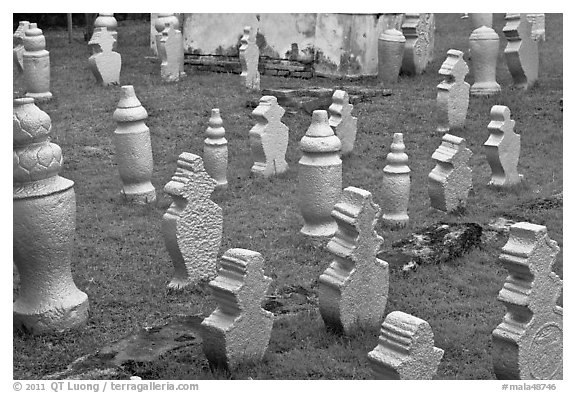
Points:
[[484, 47], [390, 51], [36, 64], [396, 184]]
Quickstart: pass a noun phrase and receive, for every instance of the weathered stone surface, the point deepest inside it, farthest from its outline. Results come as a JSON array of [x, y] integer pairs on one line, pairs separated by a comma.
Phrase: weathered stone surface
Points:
[[419, 30], [43, 229], [171, 52], [319, 177], [478, 20], [216, 150], [353, 291], [390, 53], [268, 138], [405, 349], [451, 179], [484, 47], [342, 122], [396, 184], [521, 52], [502, 148], [453, 93], [104, 63], [133, 149], [538, 22], [110, 23], [192, 225], [160, 25], [528, 344], [36, 64], [239, 329], [18, 44], [249, 57]]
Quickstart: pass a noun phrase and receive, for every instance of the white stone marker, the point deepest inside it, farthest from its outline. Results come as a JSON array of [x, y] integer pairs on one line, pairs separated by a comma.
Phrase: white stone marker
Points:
[[528, 344], [521, 52], [44, 226], [171, 52], [451, 179], [353, 290], [249, 56], [478, 20], [239, 329], [216, 150], [405, 349], [396, 184], [502, 148], [133, 149], [192, 225], [160, 25], [18, 45], [342, 122], [104, 63], [538, 22], [453, 93], [484, 47], [36, 64], [319, 177], [390, 53], [110, 23], [419, 30], [268, 138]]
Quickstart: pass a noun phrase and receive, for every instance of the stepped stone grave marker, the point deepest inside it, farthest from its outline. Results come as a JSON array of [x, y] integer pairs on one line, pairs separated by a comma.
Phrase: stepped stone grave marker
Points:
[[502, 148], [319, 177], [451, 179], [18, 45], [239, 329], [216, 150], [268, 138], [390, 53], [528, 344], [521, 52], [104, 63], [36, 64], [110, 23], [133, 149], [419, 30], [44, 226], [171, 52], [484, 48], [538, 22], [405, 349], [453, 93], [396, 184], [249, 57], [342, 122], [353, 291], [192, 225]]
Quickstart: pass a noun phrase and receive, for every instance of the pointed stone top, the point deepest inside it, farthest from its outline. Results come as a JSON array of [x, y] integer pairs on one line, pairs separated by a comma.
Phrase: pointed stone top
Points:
[[129, 99], [320, 137], [484, 33], [397, 156], [215, 125], [129, 107]]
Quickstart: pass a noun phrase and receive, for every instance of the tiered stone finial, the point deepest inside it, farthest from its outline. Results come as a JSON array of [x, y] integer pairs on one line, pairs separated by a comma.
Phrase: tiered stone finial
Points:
[[160, 25], [419, 30], [36, 64], [405, 349], [451, 179], [484, 47], [104, 63], [528, 343], [521, 52], [390, 52], [192, 226], [171, 52], [342, 122], [538, 22], [239, 329], [216, 150], [396, 184], [249, 57], [353, 291], [269, 138], [453, 93], [319, 177], [503, 148], [133, 148], [110, 23], [44, 227], [18, 43]]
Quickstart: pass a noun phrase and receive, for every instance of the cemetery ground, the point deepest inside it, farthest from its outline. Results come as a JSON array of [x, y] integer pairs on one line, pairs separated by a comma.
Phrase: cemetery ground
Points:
[[121, 262]]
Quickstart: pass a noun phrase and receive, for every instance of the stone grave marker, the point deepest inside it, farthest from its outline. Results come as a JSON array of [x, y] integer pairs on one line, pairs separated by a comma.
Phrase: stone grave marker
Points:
[[538, 22], [18, 45], [268, 138], [405, 349], [36, 64], [160, 25], [451, 179], [419, 30], [484, 48], [396, 184], [104, 63], [479, 19], [521, 52], [502, 148], [239, 329], [171, 52], [390, 53], [192, 225], [110, 23], [249, 57], [216, 150], [528, 344], [342, 122], [453, 93], [353, 290]]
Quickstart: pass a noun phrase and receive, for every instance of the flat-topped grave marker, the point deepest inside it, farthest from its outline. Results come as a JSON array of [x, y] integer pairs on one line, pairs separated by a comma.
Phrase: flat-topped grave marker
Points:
[[484, 48], [171, 52], [104, 63], [342, 122], [453, 93], [521, 52]]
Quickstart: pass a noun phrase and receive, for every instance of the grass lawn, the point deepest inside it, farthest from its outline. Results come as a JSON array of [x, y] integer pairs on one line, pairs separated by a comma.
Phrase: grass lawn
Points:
[[121, 262]]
